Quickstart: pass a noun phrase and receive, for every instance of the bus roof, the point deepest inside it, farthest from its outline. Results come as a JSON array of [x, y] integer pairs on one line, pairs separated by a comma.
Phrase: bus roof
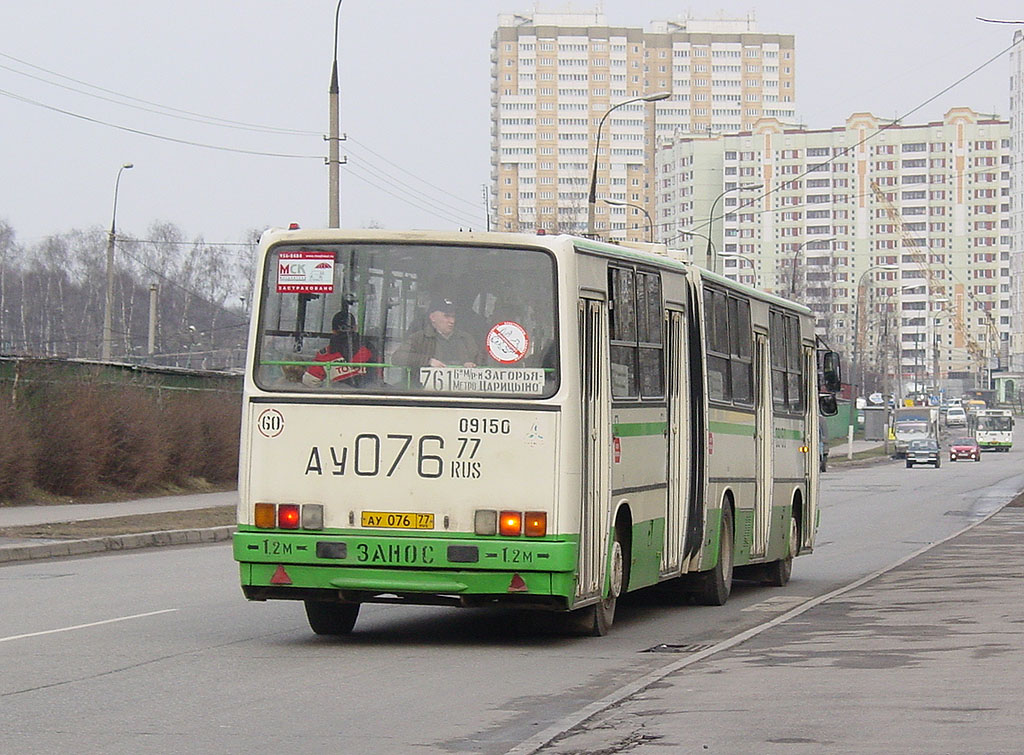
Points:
[[470, 238]]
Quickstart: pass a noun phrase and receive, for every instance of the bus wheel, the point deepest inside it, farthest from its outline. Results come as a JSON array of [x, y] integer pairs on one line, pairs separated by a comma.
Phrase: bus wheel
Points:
[[595, 620], [714, 586], [777, 573], [331, 618]]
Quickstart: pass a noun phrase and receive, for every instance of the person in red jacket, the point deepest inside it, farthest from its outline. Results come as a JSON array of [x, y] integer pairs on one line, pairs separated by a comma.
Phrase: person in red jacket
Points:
[[344, 340]]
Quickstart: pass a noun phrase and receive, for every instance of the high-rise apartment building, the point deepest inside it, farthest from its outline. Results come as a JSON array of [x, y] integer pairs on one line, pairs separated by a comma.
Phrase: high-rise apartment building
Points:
[[1016, 357], [897, 236], [556, 77]]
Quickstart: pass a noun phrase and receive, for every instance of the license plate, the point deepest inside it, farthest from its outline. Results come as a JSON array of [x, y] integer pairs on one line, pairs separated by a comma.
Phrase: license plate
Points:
[[397, 520]]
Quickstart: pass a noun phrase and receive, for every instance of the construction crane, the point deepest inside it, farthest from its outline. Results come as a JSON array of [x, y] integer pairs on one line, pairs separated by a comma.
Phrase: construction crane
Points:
[[935, 284]]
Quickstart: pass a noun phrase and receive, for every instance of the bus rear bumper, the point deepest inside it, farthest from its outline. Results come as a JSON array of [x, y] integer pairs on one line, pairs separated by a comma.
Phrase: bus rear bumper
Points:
[[551, 590]]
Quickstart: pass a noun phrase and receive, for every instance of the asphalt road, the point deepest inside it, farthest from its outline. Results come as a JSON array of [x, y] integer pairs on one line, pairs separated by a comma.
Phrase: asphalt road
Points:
[[157, 651]]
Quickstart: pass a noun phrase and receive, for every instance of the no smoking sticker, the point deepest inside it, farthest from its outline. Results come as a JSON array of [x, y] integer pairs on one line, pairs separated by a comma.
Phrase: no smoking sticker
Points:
[[507, 342]]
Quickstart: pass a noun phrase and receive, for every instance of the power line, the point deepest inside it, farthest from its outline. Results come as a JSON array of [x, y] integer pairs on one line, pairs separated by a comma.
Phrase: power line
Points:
[[209, 119], [431, 210], [407, 172], [400, 185], [152, 135], [846, 150]]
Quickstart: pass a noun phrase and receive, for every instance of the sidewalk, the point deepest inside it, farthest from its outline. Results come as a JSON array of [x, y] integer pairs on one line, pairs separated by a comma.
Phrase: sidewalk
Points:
[[22, 549], [924, 658]]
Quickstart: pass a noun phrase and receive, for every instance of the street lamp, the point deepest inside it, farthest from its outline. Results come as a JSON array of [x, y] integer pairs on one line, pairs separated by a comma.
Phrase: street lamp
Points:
[[796, 256], [108, 303], [650, 223], [711, 219], [742, 258], [688, 233], [592, 201], [857, 311], [333, 138], [932, 320]]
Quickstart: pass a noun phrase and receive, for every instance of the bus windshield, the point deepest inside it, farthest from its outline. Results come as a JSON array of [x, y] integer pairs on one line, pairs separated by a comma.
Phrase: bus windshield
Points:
[[995, 423], [407, 318]]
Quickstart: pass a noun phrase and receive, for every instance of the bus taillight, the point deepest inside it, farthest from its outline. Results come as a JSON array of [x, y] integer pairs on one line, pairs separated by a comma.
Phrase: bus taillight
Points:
[[511, 523], [536, 523], [485, 522], [265, 516], [312, 516], [288, 516]]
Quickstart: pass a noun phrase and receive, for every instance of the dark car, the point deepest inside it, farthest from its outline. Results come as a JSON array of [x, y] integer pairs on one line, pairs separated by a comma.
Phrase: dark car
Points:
[[923, 451], [964, 448]]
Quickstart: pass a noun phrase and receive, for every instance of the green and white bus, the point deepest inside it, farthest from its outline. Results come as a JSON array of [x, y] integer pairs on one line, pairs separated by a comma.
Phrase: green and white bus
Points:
[[629, 420], [993, 429]]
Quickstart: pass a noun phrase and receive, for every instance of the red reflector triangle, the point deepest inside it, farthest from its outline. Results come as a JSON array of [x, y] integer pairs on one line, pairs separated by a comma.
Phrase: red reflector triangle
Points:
[[517, 584], [280, 577]]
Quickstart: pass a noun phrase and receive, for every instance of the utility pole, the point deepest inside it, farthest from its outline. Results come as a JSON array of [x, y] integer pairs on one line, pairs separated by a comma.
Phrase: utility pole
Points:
[[334, 161]]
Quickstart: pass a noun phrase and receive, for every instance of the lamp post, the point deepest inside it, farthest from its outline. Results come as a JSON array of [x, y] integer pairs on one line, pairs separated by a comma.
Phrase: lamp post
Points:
[[711, 219], [742, 258], [650, 222], [108, 301], [856, 341], [933, 336], [592, 201], [796, 257], [333, 138], [689, 233], [898, 371]]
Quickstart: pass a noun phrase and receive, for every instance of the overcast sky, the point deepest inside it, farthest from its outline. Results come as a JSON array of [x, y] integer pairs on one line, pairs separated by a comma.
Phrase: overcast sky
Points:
[[415, 91]]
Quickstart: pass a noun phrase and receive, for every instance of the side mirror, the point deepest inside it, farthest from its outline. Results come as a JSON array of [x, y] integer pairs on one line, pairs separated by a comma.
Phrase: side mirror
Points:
[[827, 406], [831, 371]]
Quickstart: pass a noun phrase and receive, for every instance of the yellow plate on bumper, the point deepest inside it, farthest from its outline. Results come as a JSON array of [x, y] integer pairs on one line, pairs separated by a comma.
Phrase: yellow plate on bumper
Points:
[[397, 520]]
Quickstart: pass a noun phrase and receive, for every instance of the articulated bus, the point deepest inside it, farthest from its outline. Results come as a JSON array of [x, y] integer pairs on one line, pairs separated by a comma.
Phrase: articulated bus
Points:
[[597, 419], [993, 429]]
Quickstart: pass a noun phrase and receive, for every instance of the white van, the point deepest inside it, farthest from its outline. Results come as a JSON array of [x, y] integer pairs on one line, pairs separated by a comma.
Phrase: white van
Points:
[[956, 417]]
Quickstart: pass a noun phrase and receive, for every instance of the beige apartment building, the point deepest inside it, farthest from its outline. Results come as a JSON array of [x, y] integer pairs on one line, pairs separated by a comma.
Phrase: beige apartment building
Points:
[[897, 236], [556, 77]]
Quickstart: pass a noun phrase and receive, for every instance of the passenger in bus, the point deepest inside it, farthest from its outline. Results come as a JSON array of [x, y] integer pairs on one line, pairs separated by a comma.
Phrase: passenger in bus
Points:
[[344, 340], [439, 343]]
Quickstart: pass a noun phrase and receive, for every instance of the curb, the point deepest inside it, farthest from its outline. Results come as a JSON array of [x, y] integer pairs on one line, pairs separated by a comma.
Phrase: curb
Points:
[[68, 548]]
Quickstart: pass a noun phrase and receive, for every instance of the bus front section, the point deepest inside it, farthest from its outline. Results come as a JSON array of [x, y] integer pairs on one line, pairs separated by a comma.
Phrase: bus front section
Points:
[[400, 434]]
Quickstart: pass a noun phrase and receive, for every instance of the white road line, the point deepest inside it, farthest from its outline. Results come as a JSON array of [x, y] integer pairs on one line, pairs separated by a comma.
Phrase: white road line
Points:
[[86, 626]]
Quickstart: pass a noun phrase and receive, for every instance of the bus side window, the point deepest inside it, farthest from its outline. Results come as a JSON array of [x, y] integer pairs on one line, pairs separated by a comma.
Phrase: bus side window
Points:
[[622, 331]]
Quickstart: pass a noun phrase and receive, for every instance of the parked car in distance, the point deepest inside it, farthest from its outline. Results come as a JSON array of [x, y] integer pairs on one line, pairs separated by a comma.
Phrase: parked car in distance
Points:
[[964, 448], [923, 451], [956, 417]]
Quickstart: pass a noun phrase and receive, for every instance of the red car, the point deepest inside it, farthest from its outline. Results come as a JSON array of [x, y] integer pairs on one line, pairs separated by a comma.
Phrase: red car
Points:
[[964, 448]]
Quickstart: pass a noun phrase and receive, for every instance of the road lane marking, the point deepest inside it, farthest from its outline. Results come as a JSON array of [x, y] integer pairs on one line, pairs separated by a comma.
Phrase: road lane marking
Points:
[[86, 626]]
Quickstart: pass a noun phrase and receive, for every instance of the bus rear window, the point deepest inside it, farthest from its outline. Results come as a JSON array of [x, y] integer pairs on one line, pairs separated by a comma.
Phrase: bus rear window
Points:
[[405, 318]]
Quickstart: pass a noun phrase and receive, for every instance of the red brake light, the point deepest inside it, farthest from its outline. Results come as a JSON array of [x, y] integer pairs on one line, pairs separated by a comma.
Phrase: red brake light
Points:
[[288, 516]]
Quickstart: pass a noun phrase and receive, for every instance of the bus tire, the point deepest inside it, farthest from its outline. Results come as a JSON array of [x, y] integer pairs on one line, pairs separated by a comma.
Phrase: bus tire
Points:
[[714, 586], [777, 573], [596, 619], [331, 618]]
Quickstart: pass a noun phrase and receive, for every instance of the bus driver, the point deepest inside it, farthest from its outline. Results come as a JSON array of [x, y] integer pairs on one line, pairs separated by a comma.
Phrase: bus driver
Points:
[[439, 343]]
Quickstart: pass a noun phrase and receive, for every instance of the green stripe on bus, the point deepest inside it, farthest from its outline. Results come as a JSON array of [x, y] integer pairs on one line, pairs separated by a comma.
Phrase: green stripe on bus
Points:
[[786, 434], [731, 428], [633, 429]]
